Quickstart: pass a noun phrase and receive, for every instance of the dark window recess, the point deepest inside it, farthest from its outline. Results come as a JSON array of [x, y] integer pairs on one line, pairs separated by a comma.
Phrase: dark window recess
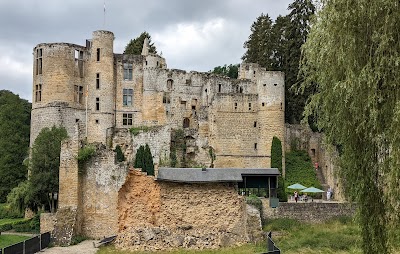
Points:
[[249, 106], [255, 124], [188, 81], [193, 107], [166, 98], [128, 70], [313, 152], [38, 93], [281, 106], [219, 88], [265, 85], [97, 120], [97, 80], [76, 120], [78, 94], [255, 146], [97, 103], [205, 90], [235, 105], [146, 62], [263, 104], [39, 61], [241, 90], [275, 84], [98, 54], [127, 119], [186, 123]]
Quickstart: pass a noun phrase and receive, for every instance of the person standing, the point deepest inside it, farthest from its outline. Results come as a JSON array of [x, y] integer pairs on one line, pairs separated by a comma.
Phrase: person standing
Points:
[[296, 196]]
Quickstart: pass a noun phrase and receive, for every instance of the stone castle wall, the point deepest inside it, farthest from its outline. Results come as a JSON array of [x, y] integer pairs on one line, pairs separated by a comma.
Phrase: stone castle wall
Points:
[[160, 215]]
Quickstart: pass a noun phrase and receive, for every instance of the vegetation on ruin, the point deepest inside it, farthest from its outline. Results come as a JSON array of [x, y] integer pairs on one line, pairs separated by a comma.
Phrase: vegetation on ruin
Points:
[[276, 162], [135, 46], [144, 160], [178, 146], [299, 169], [351, 57], [15, 116], [231, 70], [119, 155], [276, 45], [136, 130], [85, 153]]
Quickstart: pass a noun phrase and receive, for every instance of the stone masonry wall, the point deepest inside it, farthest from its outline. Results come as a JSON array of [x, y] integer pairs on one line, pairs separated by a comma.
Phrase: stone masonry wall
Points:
[[308, 212], [162, 215], [47, 221], [100, 186]]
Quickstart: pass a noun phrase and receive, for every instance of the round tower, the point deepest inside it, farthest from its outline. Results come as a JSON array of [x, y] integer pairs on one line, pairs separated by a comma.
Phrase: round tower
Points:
[[101, 87], [57, 86]]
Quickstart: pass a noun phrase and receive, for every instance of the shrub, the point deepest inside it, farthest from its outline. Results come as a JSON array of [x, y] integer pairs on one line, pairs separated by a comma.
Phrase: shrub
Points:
[[257, 203], [84, 154], [136, 130], [119, 154]]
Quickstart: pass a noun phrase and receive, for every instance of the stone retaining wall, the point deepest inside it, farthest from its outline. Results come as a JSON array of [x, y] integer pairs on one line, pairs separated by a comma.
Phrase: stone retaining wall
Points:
[[308, 212]]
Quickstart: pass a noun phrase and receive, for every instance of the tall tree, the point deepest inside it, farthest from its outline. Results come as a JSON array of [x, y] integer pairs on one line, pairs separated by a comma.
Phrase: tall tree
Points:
[[14, 140], [276, 162], [352, 57], [44, 166], [135, 46]]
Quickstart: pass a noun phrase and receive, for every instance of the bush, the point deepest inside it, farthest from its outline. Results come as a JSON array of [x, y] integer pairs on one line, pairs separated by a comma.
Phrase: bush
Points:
[[136, 130], [32, 225], [7, 212], [257, 203], [84, 154], [119, 154]]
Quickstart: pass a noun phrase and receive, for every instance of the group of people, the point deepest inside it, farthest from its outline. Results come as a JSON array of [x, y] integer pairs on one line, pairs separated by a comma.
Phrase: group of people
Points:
[[297, 197]]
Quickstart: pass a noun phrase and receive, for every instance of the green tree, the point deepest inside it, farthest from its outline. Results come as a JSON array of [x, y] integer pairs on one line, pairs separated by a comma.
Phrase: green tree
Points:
[[144, 160], [139, 158], [352, 58], [135, 46], [276, 162], [119, 154], [14, 140], [44, 166], [231, 70]]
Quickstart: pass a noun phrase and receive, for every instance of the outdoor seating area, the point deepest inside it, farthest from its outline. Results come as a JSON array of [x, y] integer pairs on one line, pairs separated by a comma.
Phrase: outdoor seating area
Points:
[[300, 193]]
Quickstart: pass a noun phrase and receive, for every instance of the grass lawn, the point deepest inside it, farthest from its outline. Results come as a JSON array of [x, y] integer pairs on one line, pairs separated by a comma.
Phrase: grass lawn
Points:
[[7, 240]]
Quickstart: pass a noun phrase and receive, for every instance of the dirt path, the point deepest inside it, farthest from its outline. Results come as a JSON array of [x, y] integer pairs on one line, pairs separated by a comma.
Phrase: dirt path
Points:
[[85, 247]]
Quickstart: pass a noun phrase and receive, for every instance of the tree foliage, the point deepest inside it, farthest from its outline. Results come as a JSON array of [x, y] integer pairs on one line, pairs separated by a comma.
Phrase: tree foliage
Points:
[[44, 166], [119, 155], [14, 140], [276, 162], [135, 46], [352, 57], [277, 47], [144, 160], [231, 70]]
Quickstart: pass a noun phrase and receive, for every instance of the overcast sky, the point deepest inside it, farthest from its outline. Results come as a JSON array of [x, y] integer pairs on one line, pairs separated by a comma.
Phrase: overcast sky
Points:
[[191, 34]]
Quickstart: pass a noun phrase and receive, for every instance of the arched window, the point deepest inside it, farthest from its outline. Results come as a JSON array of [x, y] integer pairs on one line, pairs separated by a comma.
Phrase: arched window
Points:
[[186, 123]]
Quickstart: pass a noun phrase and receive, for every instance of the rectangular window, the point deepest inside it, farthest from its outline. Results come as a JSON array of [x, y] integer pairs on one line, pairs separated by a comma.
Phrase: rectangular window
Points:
[[38, 93], [97, 80], [127, 97], [255, 146], [126, 119], [127, 71], [249, 106], [235, 105], [78, 94], [39, 61], [97, 103], [98, 54], [255, 124]]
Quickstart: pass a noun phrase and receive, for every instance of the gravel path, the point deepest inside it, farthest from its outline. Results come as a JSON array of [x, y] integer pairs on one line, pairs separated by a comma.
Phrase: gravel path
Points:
[[85, 247]]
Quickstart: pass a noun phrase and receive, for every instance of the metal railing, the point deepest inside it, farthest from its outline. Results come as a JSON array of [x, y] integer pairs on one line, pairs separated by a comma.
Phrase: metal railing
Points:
[[29, 246]]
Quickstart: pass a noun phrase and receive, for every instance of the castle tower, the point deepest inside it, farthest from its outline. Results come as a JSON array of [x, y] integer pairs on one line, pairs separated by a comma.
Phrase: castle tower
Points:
[[146, 46], [101, 87], [58, 78]]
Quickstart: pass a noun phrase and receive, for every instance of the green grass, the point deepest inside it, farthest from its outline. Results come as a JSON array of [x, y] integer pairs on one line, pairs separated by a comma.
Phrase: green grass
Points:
[[6, 221], [245, 249], [7, 240], [336, 236]]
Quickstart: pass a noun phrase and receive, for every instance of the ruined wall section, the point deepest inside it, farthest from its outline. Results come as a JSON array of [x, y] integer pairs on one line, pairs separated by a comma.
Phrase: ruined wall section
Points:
[[161, 215], [99, 187]]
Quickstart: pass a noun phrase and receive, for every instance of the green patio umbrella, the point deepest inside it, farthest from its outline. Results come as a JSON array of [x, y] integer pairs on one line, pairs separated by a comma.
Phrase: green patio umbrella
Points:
[[296, 186]]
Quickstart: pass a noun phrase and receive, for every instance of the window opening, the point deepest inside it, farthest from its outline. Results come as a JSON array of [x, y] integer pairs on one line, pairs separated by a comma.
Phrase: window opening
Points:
[[255, 146], [127, 119], [186, 123], [235, 105], [39, 61], [78, 95], [127, 71], [263, 104], [275, 84], [97, 103], [170, 82], [241, 90], [97, 80], [255, 124], [97, 121], [249, 106], [313, 152], [219, 88], [98, 54], [38, 93], [127, 96], [166, 98]]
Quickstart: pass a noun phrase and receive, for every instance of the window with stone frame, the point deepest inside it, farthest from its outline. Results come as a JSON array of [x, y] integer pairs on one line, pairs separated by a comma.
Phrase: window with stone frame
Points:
[[38, 93], [97, 80], [97, 103], [78, 94], [39, 61], [128, 71], [127, 96], [127, 119]]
